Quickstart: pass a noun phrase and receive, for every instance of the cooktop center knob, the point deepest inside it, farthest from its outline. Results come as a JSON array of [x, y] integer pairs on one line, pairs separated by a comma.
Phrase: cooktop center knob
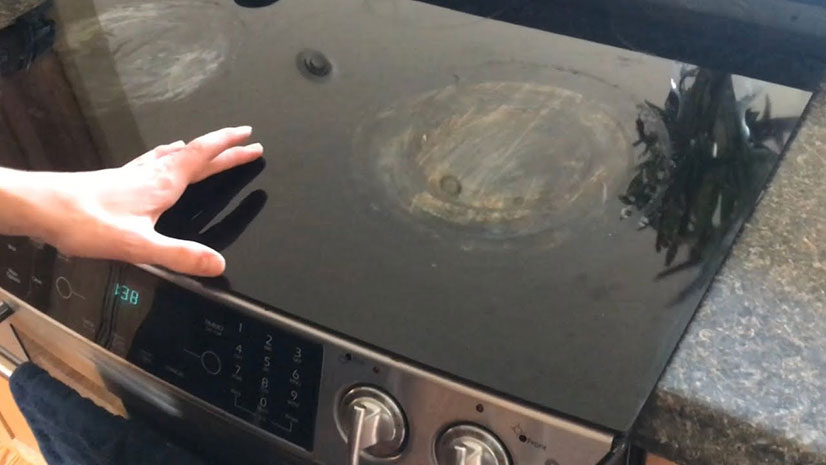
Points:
[[468, 444], [373, 424]]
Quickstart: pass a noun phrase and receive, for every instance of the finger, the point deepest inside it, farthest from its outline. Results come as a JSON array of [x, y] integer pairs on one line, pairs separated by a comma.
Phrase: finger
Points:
[[186, 257], [193, 159], [164, 150], [231, 158], [157, 152]]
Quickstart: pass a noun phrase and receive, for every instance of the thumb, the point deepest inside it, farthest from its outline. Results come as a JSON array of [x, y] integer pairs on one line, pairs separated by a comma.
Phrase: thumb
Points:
[[186, 257]]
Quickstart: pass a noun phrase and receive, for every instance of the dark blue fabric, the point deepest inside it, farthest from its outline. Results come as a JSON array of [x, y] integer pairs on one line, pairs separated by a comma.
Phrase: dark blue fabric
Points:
[[72, 430]]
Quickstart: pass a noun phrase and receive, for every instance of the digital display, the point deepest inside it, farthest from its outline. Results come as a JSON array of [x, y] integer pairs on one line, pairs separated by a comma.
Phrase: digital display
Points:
[[127, 294]]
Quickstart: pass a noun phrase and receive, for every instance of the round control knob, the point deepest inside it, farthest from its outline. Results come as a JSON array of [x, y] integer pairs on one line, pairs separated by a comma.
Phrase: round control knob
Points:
[[468, 444], [372, 423]]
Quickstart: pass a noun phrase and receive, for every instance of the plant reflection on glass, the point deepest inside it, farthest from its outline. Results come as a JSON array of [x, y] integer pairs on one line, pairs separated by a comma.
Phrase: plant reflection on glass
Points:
[[706, 157]]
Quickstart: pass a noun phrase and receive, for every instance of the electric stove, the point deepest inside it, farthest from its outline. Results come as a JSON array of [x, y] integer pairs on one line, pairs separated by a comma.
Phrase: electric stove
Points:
[[495, 234]]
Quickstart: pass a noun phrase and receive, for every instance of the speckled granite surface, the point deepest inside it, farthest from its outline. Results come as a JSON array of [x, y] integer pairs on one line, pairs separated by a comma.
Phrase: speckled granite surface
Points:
[[12, 9], [748, 382]]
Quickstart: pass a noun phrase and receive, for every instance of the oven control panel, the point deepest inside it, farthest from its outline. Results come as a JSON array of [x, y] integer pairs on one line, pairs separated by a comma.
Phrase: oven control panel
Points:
[[259, 373]]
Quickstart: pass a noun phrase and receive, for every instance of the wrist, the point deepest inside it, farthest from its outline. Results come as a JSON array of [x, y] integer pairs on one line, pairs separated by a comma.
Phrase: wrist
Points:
[[30, 202]]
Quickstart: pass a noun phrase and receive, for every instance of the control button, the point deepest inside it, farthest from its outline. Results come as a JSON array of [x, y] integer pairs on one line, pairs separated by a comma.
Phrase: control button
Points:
[[14, 281], [236, 373], [213, 327], [64, 288], [295, 378], [211, 362], [118, 346], [13, 276], [292, 401], [373, 424], [41, 275], [15, 264], [468, 444], [177, 372], [79, 295], [262, 405]]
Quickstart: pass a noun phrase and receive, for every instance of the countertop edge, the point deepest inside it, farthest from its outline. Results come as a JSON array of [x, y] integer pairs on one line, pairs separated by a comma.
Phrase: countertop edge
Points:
[[686, 431]]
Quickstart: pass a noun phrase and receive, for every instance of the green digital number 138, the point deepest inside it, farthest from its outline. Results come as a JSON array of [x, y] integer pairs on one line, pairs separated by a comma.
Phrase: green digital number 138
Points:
[[127, 295]]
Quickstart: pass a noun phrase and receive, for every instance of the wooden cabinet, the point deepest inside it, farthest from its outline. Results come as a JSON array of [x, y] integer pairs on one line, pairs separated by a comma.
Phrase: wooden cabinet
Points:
[[17, 443], [655, 460]]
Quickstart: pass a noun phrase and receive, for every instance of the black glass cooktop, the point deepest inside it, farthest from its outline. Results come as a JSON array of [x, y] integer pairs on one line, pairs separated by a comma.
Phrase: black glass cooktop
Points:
[[530, 212]]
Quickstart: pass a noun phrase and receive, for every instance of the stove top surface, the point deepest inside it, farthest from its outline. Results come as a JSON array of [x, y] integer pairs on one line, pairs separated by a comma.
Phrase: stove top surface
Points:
[[529, 212]]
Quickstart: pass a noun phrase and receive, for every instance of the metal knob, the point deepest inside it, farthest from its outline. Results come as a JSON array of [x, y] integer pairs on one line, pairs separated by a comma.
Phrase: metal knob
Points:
[[468, 444], [373, 424], [6, 310]]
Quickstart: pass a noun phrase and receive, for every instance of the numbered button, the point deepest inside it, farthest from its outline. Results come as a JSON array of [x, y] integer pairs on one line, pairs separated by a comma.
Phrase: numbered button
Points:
[[238, 353], [211, 362], [297, 355], [236, 372], [262, 405], [265, 385], [292, 399], [266, 363], [295, 378], [268, 343]]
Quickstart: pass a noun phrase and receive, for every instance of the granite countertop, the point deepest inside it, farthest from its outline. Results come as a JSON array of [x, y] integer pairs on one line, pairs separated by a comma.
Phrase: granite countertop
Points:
[[747, 384], [10, 10]]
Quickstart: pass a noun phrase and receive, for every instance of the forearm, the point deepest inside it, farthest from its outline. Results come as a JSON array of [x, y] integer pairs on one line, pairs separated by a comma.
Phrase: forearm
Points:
[[26, 203]]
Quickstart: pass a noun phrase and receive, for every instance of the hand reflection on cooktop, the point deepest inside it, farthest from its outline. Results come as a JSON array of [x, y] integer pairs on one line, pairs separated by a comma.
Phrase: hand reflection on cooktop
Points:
[[203, 202]]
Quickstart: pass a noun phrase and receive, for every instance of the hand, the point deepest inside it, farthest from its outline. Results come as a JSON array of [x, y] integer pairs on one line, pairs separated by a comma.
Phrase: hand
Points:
[[112, 213]]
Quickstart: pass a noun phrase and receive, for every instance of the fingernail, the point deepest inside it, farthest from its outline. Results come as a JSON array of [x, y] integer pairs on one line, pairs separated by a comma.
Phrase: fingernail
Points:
[[243, 130], [178, 143], [257, 147], [215, 266]]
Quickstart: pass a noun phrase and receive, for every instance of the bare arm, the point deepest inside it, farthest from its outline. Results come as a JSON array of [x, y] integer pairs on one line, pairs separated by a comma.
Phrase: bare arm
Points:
[[112, 213]]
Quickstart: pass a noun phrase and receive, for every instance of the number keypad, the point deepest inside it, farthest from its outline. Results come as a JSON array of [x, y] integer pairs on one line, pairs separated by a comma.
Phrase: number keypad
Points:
[[268, 377]]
